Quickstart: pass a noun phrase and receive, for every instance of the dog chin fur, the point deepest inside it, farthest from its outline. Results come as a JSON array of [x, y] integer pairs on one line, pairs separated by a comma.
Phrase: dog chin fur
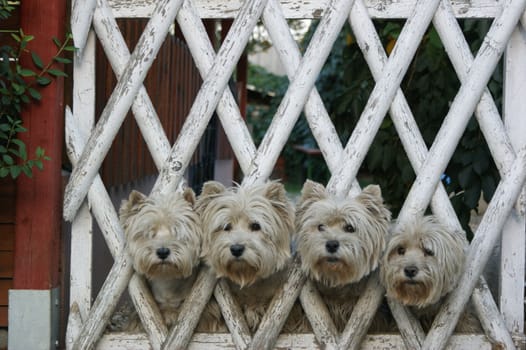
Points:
[[163, 238], [246, 241], [340, 241], [422, 264]]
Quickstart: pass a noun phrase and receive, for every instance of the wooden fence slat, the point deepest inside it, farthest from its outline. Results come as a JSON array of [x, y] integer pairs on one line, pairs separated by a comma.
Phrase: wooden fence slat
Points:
[[118, 105], [209, 96], [227, 110], [513, 240], [311, 9], [479, 252], [81, 16], [108, 221]]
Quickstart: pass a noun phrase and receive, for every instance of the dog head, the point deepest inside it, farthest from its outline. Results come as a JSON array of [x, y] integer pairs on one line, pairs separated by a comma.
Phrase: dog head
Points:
[[163, 235], [422, 262], [340, 240], [246, 230]]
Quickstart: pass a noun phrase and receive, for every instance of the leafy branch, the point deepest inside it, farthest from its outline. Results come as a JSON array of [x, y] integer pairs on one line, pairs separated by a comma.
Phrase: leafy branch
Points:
[[20, 86]]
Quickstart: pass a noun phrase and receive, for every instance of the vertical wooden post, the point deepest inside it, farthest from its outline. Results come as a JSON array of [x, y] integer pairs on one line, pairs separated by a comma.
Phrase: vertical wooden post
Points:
[[513, 239], [38, 200]]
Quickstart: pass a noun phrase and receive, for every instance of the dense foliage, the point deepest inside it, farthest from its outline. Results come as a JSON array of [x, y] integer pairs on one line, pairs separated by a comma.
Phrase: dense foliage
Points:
[[19, 87], [430, 85]]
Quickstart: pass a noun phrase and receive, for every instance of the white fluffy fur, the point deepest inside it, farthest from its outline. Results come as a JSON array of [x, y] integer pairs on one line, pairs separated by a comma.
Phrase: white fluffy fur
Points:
[[422, 264], [163, 238], [340, 241], [258, 220], [359, 226]]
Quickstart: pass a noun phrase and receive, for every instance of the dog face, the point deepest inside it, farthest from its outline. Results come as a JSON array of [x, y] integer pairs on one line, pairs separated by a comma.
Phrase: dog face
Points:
[[340, 240], [163, 235], [246, 230], [422, 262]]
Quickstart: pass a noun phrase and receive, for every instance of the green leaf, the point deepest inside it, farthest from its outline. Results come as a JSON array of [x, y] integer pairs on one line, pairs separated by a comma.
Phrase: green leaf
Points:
[[35, 94], [43, 81], [62, 60], [39, 152], [28, 171], [57, 42], [7, 159], [37, 61], [4, 171], [15, 171], [18, 89], [57, 73], [39, 164], [26, 72], [70, 48]]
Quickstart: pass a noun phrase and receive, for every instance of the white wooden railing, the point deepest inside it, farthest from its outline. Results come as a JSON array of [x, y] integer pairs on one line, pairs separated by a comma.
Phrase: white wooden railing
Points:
[[86, 198]]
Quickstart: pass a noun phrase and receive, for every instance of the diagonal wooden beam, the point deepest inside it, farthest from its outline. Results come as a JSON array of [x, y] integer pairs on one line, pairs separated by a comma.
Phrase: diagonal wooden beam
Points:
[[118, 105], [209, 95]]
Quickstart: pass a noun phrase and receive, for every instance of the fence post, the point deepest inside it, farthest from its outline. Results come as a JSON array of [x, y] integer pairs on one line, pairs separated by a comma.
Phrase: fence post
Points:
[[513, 236], [34, 299]]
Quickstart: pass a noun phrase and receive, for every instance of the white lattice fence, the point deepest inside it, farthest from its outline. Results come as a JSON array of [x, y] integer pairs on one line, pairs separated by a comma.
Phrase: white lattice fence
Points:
[[86, 197]]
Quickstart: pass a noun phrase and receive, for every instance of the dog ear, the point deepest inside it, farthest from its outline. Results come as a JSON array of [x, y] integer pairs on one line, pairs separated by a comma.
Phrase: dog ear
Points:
[[313, 190], [131, 206], [189, 195], [371, 198], [275, 191], [208, 192], [212, 188], [277, 195]]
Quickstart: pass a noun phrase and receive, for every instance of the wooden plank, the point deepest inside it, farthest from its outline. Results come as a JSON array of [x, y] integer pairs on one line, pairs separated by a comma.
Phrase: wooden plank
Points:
[[221, 341], [7, 236], [513, 236], [4, 316], [38, 199], [309, 9], [6, 264], [7, 200], [5, 285]]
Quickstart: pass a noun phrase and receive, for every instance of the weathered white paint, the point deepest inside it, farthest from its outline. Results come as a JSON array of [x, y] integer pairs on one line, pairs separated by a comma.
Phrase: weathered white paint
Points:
[[81, 16], [221, 341], [227, 109], [209, 95], [309, 9], [118, 105], [108, 222], [82, 225], [513, 236], [258, 164], [318, 316], [118, 55], [282, 302], [233, 315], [479, 252], [193, 306], [299, 88]]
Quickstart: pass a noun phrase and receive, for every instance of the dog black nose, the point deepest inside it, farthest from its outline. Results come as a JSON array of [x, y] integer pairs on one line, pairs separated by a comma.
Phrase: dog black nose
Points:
[[162, 253], [237, 250], [332, 246], [411, 271]]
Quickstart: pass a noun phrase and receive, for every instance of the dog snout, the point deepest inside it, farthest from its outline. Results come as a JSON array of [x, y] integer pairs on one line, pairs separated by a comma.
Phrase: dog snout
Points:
[[237, 250], [332, 246], [410, 271], [162, 253]]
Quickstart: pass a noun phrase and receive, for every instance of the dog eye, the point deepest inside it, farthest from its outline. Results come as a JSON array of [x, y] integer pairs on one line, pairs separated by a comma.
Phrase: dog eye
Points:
[[255, 226], [400, 250], [227, 227], [428, 252], [321, 227], [348, 228]]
